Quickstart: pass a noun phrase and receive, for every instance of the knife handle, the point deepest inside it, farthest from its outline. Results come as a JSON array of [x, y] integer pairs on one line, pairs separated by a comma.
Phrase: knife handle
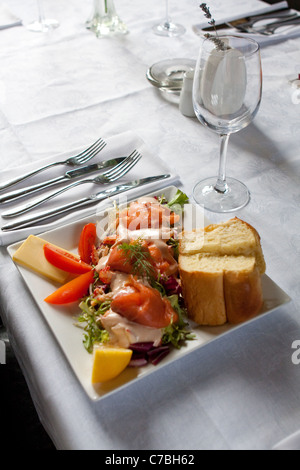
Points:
[[27, 175], [13, 195], [27, 222], [27, 207]]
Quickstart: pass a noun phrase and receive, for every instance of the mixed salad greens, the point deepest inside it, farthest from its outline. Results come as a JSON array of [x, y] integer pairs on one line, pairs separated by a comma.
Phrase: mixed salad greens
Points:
[[148, 293]]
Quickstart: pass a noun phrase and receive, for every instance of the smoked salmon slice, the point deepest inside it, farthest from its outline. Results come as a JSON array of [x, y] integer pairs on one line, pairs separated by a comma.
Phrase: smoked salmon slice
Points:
[[144, 305], [158, 253], [162, 258], [147, 214], [118, 260]]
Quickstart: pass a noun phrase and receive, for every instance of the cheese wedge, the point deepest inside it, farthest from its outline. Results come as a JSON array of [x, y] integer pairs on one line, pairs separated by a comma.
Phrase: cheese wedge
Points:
[[31, 255]]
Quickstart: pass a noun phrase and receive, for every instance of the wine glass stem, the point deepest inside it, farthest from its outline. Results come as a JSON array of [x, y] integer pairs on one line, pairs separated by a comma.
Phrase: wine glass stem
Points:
[[41, 11], [167, 22], [221, 184]]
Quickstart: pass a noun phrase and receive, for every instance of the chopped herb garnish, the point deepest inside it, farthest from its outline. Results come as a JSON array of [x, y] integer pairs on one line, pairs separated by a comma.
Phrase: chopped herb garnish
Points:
[[139, 259]]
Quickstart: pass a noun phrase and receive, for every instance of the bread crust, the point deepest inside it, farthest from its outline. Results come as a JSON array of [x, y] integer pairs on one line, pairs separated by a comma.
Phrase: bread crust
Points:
[[196, 241], [204, 297], [220, 268], [243, 295]]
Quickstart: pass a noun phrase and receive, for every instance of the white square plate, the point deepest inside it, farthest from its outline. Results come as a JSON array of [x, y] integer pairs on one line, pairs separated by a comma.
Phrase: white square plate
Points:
[[60, 319]]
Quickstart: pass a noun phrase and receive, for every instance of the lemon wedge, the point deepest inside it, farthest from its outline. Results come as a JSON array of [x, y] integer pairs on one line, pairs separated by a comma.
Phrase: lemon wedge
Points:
[[109, 362]]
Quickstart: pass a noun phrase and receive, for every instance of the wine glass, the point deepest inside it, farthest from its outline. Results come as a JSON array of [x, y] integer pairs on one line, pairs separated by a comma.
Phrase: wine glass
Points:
[[226, 96], [42, 24], [167, 28]]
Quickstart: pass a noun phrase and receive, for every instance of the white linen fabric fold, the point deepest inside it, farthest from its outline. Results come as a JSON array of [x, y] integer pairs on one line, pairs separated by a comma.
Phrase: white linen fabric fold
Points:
[[7, 18], [117, 146], [291, 442], [281, 34]]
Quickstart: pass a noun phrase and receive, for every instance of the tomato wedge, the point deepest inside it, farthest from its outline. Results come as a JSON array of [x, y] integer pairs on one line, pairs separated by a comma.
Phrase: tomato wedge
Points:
[[64, 260], [72, 291], [87, 242]]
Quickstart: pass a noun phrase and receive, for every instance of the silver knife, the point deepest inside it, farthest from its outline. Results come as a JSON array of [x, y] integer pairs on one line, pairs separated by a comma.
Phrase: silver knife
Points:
[[245, 20], [85, 170], [84, 202]]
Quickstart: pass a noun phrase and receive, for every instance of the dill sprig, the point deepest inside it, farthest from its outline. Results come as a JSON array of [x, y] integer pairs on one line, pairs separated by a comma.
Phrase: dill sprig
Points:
[[139, 259]]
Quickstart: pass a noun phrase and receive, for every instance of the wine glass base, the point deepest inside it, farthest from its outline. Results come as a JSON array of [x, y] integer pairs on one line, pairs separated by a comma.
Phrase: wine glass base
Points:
[[169, 29], [43, 26], [236, 196]]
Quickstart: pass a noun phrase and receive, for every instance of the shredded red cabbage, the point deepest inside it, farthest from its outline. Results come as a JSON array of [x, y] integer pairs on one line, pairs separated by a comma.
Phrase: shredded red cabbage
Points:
[[141, 347], [171, 286], [143, 353]]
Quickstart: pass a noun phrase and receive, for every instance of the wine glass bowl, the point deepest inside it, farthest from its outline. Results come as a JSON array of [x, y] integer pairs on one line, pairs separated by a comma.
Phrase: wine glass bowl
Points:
[[226, 97]]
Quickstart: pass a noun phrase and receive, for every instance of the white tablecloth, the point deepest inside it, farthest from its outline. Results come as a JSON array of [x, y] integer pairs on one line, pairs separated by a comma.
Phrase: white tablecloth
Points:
[[62, 90]]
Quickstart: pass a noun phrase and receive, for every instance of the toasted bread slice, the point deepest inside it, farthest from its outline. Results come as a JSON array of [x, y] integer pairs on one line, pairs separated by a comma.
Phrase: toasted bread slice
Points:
[[234, 237], [220, 268]]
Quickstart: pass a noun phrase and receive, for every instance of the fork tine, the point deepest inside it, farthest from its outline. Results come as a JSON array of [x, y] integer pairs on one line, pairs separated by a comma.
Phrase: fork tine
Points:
[[119, 170], [92, 152], [89, 148], [122, 171], [110, 173]]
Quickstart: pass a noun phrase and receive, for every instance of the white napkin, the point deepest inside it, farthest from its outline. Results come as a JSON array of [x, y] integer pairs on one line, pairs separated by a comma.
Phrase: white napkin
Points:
[[117, 146], [281, 34], [291, 442], [8, 19]]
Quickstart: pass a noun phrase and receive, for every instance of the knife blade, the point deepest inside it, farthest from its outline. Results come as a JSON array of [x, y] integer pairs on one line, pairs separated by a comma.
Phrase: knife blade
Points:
[[244, 20], [71, 174], [83, 202]]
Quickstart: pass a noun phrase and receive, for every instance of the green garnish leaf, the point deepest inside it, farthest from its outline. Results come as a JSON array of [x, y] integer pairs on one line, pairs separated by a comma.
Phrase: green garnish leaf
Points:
[[177, 333], [174, 243], [180, 198], [139, 259], [94, 332]]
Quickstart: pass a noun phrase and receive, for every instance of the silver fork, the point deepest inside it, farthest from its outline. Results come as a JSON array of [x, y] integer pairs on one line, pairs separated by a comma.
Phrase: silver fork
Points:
[[76, 160], [108, 176], [286, 14], [270, 28]]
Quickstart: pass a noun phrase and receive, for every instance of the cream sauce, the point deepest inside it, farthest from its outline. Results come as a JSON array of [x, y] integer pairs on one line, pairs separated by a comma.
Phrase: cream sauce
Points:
[[164, 233], [101, 263], [119, 281], [145, 199], [124, 332]]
